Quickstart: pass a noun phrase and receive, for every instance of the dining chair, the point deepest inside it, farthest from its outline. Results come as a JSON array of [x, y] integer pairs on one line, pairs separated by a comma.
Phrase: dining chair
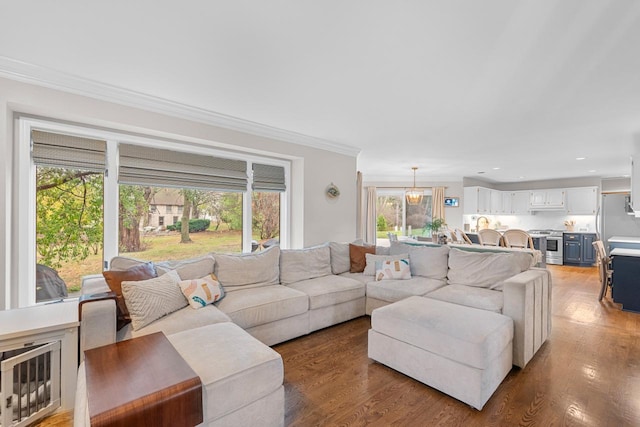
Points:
[[393, 237], [461, 237], [515, 238], [489, 237], [604, 268]]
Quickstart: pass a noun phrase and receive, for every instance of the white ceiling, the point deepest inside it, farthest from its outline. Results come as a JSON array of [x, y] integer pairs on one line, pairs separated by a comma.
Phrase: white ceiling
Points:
[[455, 87]]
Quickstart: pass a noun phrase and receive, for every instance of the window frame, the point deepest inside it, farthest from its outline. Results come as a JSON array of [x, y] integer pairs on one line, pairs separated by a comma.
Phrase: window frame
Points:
[[23, 247]]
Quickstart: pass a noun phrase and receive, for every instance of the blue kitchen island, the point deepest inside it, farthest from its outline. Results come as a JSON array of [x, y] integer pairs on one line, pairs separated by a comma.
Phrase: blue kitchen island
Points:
[[626, 278]]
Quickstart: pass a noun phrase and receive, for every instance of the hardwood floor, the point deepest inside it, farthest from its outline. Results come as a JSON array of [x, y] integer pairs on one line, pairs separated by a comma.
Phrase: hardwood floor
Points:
[[586, 374]]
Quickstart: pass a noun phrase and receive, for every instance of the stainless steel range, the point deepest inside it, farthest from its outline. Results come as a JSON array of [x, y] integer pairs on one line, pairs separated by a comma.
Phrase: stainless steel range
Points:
[[554, 244]]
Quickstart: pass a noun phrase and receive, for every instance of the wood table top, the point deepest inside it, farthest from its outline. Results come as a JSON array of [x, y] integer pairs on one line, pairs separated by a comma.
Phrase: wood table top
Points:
[[142, 381]]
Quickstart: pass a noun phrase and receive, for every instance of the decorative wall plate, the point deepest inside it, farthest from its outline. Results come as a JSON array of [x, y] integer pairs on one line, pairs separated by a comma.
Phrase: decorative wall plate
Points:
[[332, 191]]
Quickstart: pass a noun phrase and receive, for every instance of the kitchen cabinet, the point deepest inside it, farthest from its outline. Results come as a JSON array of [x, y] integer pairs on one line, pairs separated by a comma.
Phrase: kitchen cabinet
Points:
[[626, 287], [520, 202], [578, 249], [496, 202], [582, 200], [553, 199], [635, 183], [477, 200]]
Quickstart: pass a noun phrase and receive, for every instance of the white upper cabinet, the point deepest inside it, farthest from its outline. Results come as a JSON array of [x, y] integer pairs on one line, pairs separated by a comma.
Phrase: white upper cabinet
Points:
[[519, 202], [496, 202], [477, 200], [582, 200], [506, 203], [547, 199]]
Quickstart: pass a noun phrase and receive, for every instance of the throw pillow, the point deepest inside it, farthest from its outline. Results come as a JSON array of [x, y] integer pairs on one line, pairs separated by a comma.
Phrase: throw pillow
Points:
[[372, 260], [115, 278], [393, 270], [151, 299], [203, 291], [357, 257]]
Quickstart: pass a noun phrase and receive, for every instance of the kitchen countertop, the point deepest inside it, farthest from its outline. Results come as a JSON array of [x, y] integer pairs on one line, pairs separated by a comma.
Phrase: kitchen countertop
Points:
[[623, 239], [625, 252]]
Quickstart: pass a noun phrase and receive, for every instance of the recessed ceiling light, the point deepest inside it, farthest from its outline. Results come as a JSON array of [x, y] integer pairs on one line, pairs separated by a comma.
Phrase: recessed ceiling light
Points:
[[495, 169], [592, 171], [580, 158], [521, 177]]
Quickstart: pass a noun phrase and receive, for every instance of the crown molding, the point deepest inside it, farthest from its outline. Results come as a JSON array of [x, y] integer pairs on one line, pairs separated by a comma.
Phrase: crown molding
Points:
[[54, 79]]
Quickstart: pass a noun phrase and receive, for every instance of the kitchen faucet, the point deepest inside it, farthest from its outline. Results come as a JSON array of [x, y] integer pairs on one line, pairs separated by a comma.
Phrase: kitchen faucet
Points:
[[485, 223]]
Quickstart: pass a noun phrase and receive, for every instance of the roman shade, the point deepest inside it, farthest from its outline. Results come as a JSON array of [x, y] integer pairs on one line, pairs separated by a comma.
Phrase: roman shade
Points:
[[167, 168], [72, 152], [268, 178]]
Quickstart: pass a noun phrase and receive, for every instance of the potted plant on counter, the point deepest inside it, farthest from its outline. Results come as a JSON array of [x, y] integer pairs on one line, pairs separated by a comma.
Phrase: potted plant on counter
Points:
[[433, 227]]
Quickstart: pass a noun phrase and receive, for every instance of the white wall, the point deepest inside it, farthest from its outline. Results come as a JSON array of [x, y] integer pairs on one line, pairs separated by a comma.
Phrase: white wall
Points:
[[314, 218]]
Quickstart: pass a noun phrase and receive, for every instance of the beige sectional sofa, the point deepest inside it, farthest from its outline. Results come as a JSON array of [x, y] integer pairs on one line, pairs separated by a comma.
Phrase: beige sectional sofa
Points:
[[276, 295]]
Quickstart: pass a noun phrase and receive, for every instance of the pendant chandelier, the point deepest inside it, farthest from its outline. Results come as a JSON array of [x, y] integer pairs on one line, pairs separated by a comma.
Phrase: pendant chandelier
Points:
[[414, 196]]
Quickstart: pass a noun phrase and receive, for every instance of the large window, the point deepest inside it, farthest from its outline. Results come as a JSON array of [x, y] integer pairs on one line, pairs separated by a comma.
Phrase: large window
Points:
[[395, 215], [91, 199]]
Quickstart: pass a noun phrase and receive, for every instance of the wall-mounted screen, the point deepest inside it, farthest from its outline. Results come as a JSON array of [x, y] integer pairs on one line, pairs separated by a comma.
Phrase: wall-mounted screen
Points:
[[452, 202]]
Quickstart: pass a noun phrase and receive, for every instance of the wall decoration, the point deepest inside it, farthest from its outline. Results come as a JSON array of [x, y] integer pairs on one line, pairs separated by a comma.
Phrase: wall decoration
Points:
[[332, 191]]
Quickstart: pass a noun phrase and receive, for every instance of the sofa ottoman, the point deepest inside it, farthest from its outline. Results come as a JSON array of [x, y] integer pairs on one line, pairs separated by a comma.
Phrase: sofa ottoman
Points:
[[462, 351]]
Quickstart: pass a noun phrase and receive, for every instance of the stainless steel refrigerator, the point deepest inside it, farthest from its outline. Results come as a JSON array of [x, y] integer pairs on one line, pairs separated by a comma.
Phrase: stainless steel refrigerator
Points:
[[614, 219]]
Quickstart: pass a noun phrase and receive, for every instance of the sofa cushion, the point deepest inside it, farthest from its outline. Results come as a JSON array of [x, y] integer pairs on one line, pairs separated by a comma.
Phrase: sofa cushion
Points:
[[244, 271], [340, 262], [202, 291], [149, 300], [114, 278], [396, 290], [192, 268], [257, 306], [481, 269], [181, 320], [470, 296], [303, 264], [426, 261], [399, 269], [330, 290], [357, 257], [357, 276], [235, 368], [372, 259]]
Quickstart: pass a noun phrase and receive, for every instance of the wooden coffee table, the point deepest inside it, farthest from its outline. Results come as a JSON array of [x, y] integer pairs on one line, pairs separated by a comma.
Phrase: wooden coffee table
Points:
[[142, 382]]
